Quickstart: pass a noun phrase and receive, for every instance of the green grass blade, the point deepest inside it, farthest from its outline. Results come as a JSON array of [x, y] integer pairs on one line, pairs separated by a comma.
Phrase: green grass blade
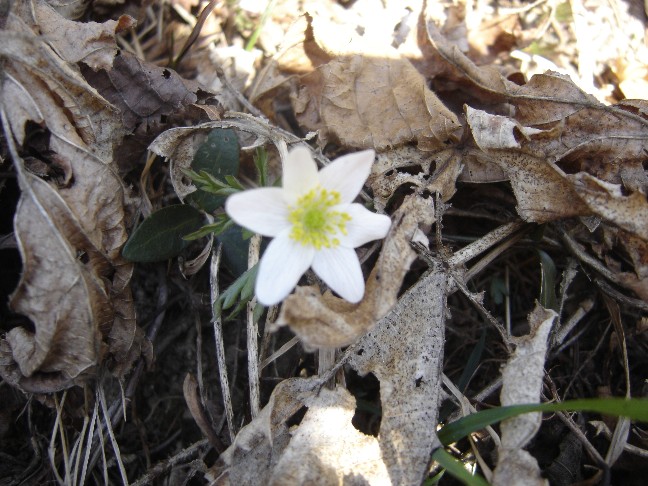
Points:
[[456, 469], [636, 409]]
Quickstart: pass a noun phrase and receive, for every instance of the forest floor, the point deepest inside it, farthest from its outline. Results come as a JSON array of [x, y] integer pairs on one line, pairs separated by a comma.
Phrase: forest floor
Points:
[[511, 150]]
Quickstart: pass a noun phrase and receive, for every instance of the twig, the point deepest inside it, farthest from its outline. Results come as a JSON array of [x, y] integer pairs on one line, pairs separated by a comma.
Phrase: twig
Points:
[[220, 347], [165, 466], [253, 335]]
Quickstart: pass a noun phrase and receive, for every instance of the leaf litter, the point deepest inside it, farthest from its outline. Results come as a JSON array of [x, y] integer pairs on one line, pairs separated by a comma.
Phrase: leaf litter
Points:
[[466, 147]]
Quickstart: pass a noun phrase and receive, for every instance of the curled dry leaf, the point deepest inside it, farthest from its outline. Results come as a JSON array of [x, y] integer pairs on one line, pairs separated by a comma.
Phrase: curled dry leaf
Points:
[[522, 383], [407, 166], [74, 285], [605, 155], [179, 145], [325, 448], [142, 91], [405, 352], [329, 322]]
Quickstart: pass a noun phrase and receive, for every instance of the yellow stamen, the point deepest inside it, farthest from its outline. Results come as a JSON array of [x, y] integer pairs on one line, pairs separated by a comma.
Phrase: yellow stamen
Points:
[[314, 224]]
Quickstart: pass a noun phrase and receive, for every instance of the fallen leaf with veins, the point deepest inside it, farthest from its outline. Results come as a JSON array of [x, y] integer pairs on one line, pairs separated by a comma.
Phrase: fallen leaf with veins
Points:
[[92, 43], [367, 96], [74, 285], [532, 160], [405, 352], [329, 322], [142, 91], [522, 379]]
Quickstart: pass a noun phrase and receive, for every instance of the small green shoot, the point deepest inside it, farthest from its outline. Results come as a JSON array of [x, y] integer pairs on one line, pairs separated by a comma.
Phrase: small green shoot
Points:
[[261, 164], [221, 224], [239, 293]]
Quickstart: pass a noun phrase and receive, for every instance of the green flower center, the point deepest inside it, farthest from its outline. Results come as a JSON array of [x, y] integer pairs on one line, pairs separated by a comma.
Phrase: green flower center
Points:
[[313, 221]]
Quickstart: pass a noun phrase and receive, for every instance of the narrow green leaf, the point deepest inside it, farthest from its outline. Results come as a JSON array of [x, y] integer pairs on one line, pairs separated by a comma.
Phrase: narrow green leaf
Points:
[[456, 468], [160, 236], [214, 228], [636, 409], [548, 285], [239, 292], [261, 164]]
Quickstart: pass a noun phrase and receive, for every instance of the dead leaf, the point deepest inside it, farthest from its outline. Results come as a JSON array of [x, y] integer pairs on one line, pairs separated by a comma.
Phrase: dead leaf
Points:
[[142, 91], [329, 322], [258, 446], [405, 352], [90, 42], [70, 231], [408, 166], [522, 378], [327, 449], [368, 96], [68, 305]]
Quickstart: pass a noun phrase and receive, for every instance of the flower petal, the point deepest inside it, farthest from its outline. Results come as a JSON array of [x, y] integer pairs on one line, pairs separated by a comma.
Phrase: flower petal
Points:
[[340, 268], [299, 172], [347, 174], [262, 210], [364, 226], [281, 267]]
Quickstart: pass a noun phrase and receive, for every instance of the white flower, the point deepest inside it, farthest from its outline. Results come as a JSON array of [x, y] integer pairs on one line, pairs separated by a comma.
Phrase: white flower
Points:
[[314, 223]]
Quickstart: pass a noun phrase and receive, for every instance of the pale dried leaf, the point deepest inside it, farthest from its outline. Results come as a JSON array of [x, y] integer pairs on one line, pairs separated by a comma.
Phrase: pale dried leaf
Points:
[[90, 42], [522, 383], [327, 449], [329, 322], [405, 352], [407, 166], [259, 445]]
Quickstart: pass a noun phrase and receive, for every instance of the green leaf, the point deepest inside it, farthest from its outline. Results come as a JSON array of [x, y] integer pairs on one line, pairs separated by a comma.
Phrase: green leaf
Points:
[[261, 164], [160, 236], [456, 468], [221, 224], [636, 409], [241, 291], [235, 249], [218, 157], [548, 298]]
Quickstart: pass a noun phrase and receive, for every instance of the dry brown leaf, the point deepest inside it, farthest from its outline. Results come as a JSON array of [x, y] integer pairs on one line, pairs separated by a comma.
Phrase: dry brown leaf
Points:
[[70, 231], [405, 352], [367, 95], [90, 42], [179, 144], [586, 138], [142, 91], [371, 102], [522, 378], [329, 322], [61, 295]]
